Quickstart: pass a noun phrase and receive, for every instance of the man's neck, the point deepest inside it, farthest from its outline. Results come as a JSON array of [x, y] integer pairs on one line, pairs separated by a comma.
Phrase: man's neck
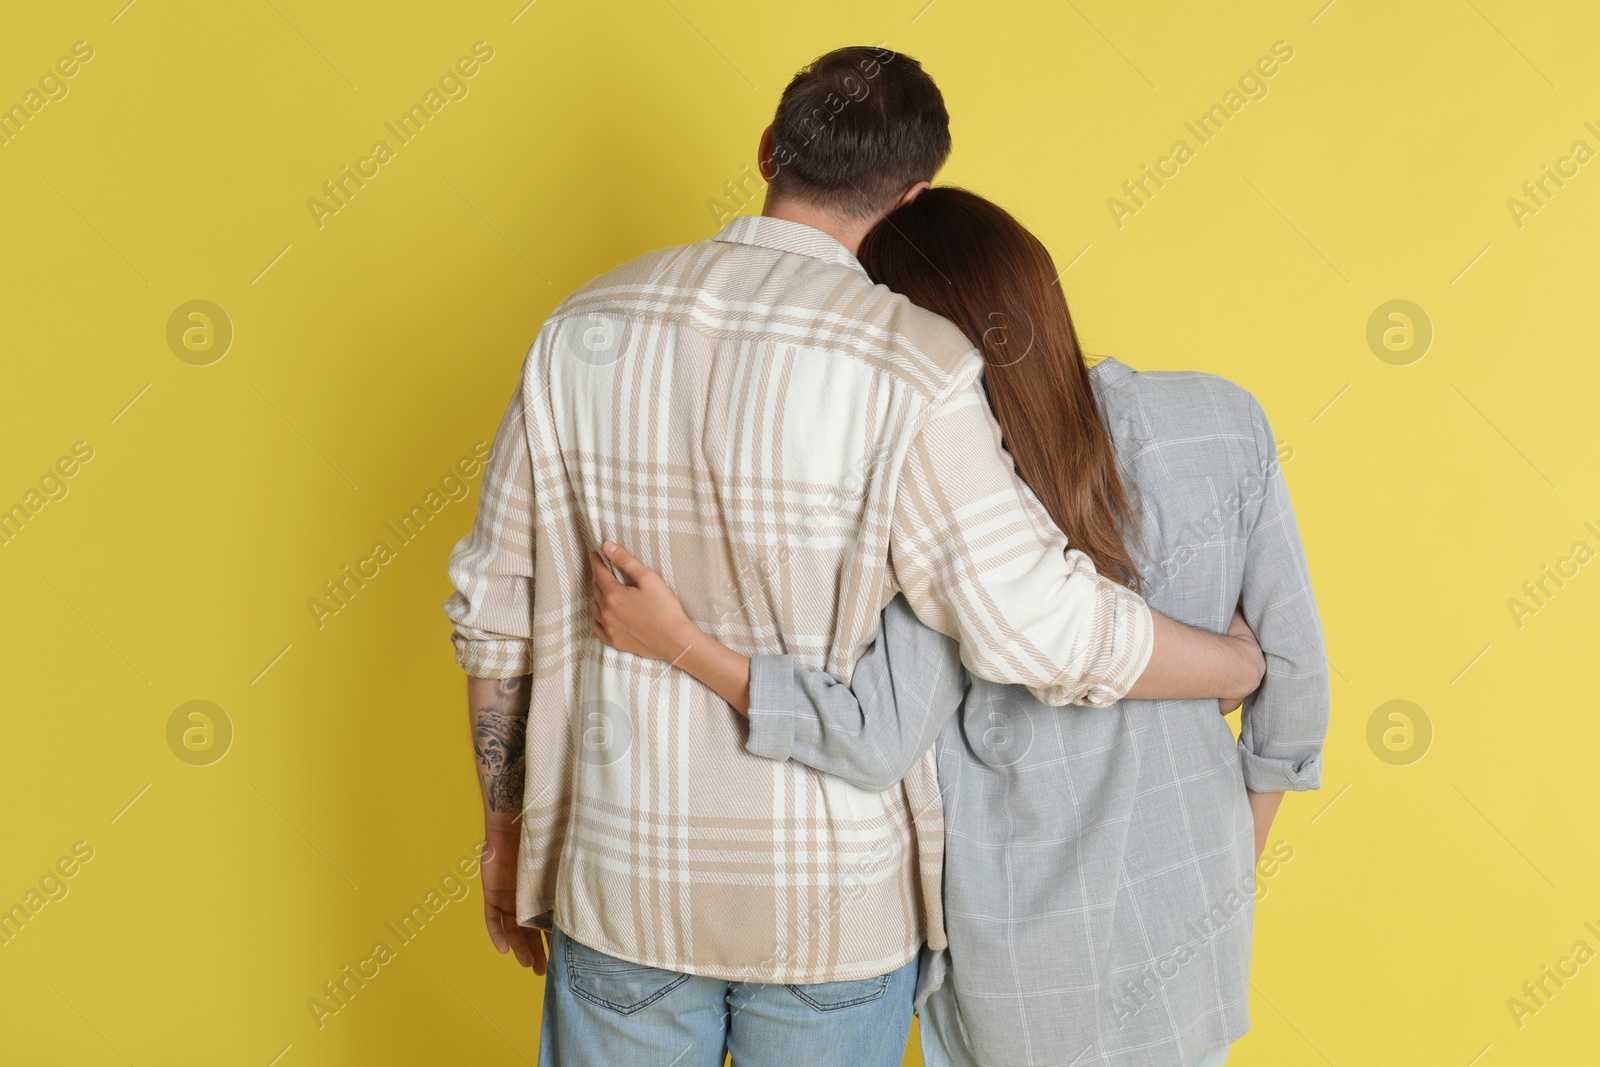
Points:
[[848, 233]]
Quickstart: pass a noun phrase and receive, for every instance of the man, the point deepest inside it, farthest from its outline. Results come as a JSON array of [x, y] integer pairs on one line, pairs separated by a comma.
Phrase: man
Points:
[[789, 446]]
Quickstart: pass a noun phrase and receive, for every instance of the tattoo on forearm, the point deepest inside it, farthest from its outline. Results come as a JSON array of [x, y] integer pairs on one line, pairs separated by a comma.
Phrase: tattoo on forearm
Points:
[[499, 733]]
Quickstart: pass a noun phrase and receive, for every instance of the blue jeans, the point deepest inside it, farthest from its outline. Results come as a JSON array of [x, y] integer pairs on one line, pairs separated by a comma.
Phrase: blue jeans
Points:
[[606, 1012]]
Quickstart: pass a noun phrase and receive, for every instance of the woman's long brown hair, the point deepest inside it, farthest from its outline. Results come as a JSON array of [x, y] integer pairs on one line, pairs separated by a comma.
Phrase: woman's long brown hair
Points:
[[965, 258]]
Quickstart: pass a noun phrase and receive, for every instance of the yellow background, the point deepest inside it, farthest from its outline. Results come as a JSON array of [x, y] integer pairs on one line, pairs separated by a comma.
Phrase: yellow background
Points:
[[373, 352]]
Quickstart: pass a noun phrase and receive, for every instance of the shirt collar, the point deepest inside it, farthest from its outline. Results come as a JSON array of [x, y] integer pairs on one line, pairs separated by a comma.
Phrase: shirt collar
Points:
[[781, 235]]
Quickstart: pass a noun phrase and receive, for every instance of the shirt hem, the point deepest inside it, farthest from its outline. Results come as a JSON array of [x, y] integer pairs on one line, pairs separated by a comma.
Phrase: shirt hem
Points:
[[737, 974]]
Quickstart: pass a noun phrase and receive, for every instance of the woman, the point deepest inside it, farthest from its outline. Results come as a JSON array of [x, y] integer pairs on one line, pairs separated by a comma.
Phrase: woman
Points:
[[1099, 874]]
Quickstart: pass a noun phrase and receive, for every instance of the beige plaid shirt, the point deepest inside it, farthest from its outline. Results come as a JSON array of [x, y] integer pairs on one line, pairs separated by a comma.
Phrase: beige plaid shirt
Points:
[[789, 445]]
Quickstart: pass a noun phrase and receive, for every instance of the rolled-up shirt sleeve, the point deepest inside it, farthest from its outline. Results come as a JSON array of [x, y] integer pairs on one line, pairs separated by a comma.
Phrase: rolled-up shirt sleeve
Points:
[[492, 567], [1284, 723], [979, 560], [871, 732]]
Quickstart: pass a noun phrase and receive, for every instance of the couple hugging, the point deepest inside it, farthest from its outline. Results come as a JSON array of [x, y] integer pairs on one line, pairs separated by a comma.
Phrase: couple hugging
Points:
[[841, 645]]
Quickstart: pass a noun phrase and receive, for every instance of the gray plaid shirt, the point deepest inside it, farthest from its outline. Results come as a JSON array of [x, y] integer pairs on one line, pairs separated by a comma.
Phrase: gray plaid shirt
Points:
[[1099, 879]]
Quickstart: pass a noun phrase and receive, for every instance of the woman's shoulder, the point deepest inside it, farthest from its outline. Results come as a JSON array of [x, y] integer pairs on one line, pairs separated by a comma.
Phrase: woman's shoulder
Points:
[[1182, 400], [1182, 422], [1112, 378]]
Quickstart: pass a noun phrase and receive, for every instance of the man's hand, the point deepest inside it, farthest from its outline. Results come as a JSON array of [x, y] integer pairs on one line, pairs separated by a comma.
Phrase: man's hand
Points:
[[498, 709], [1187, 664], [499, 875], [1240, 631]]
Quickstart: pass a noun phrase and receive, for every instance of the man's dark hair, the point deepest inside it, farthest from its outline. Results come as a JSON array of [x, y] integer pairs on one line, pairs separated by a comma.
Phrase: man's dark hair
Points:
[[855, 129]]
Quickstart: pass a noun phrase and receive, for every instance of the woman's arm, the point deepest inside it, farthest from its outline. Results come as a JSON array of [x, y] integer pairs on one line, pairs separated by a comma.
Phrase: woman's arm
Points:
[[648, 620], [1263, 809], [1285, 723], [870, 733]]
